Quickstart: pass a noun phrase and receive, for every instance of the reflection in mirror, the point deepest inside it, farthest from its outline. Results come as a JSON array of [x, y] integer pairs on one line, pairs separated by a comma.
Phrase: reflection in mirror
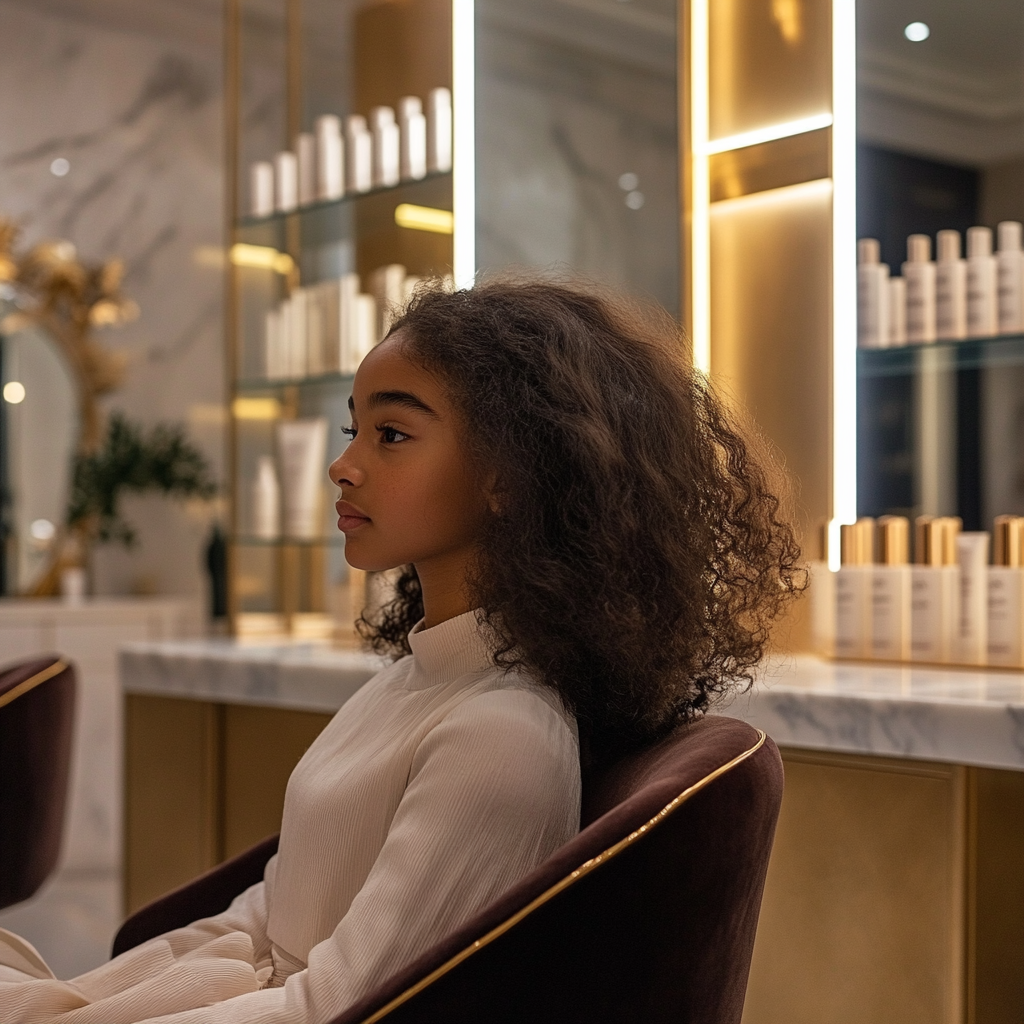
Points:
[[39, 434], [941, 147], [577, 140]]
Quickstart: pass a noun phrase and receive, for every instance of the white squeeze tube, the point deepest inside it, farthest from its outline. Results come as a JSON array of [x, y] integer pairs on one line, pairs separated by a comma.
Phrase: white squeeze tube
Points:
[[919, 273], [261, 189], [386, 146], [286, 182], [266, 500], [1010, 278], [439, 130], [359, 155], [853, 590], [890, 591], [872, 296], [302, 448], [897, 312], [972, 620], [950, 288], [305, 152], [1006, 593], [934, 583], [330, 158], [412, 124], [982, 306]]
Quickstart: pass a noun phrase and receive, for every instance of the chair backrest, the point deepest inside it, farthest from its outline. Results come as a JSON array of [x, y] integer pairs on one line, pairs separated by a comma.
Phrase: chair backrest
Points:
[[649, 914], [37, 704]]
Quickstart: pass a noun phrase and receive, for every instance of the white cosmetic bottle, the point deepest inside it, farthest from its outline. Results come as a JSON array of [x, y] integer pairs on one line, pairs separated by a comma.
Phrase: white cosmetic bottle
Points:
[[897, 312], [302, 448], [305, 152], [950, 288], [890, 591], [261, 189], [412, 160], [330, 158], [359, 155], [1010, 278], [872, 296], [286, 182], [1006, 594], [385, 147], [934, 582], [919, 273], [972, 616], [439, 130], [266, 501], [982, 307], [853, 590]]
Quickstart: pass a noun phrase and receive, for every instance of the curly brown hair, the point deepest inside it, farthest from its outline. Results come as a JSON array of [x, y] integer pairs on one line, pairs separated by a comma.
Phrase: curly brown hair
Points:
[[638, 555]]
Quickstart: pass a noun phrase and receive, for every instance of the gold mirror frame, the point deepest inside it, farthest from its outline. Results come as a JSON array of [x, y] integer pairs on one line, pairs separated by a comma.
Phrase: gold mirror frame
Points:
[[68, 299]]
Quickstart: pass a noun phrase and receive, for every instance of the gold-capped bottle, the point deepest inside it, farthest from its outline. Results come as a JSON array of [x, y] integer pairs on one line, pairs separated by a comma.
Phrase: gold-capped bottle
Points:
[[934, 587], [1006, 593], [853, 589], [890, 590]]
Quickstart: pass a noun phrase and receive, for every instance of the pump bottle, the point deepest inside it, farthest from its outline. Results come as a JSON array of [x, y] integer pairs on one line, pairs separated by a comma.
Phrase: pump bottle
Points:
[[919, 273], [950, 288], [872, 296], [1010, 278], [982, 309]]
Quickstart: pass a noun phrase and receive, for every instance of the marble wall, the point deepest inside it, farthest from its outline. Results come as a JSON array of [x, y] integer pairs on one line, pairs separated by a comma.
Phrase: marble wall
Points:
[[577, 141], [138, 118]]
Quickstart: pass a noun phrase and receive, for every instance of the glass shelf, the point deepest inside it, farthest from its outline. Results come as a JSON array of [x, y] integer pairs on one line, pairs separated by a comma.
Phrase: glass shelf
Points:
[[325, 206], [971, 354], [260, 385]]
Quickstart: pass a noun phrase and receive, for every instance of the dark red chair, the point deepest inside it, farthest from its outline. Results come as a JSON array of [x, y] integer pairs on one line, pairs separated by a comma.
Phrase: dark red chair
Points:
[[37, 712], [648, 915]]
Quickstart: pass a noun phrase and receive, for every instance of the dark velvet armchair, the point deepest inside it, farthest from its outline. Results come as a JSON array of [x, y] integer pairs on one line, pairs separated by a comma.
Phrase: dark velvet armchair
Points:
[[648, 915], [37, 710]]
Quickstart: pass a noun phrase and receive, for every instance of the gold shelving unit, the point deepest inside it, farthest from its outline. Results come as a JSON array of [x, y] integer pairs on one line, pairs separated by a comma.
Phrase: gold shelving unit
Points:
[[288, 62]]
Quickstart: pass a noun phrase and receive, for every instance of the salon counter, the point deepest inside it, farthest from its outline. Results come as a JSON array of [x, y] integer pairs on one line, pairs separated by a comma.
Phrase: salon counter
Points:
[[950, 715], [896, 886]]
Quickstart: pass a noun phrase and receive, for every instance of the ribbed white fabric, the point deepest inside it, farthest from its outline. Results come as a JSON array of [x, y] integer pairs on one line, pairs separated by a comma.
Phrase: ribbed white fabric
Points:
[[434, 789]]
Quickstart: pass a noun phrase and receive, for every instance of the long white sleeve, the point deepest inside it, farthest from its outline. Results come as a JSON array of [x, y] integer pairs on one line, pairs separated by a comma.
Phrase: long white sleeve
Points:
[[494, 790]]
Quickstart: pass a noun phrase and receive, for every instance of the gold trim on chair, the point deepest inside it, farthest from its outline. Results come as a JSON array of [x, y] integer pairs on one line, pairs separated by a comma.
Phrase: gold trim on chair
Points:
[[564, 883], [33, 681]]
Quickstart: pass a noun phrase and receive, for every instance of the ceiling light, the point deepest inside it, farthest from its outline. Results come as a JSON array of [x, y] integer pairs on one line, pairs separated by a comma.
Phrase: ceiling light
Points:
[[60, 167], [917, 31], [14, 392], [628, 181], [635, 200]]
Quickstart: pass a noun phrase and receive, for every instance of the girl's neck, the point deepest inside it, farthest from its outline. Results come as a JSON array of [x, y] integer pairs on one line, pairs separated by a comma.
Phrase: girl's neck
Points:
[[443, 582]]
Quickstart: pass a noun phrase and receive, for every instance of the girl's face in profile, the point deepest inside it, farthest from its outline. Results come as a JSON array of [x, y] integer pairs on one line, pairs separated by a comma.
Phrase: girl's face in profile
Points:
[[408, 494]]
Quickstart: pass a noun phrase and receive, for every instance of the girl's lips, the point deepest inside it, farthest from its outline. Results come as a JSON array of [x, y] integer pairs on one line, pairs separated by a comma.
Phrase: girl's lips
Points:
[[348, 523], [349, 517]]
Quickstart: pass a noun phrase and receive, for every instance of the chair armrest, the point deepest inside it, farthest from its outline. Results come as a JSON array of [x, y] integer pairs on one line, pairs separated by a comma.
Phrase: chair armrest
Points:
[[204, 896]]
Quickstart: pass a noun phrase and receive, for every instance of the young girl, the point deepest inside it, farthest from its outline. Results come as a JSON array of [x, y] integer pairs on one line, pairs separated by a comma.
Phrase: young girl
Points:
[[591, 555]]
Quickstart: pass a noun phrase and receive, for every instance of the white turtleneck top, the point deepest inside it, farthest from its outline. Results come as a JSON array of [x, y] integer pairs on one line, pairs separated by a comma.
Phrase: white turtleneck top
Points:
[[440, 784]]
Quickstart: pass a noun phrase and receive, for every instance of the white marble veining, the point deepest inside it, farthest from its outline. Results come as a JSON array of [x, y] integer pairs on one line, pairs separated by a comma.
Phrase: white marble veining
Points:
[[303, 677], [139, 120], [951, 715], [933, 714]]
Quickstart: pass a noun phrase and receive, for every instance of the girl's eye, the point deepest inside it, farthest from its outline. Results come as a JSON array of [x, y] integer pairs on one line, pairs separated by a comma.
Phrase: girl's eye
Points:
[[389, 435], [349, 432]]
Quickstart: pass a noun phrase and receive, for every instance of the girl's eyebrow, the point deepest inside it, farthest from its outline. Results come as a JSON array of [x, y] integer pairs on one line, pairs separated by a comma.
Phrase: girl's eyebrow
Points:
[[403, 398]]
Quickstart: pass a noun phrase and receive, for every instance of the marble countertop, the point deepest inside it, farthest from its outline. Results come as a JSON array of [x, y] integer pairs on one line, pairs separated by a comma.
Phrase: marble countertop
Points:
[[935, 714]]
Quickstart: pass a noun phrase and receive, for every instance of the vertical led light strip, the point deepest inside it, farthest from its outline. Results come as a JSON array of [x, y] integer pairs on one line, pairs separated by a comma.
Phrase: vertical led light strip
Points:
[[700, 233], [844, 272], [464, 143]]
